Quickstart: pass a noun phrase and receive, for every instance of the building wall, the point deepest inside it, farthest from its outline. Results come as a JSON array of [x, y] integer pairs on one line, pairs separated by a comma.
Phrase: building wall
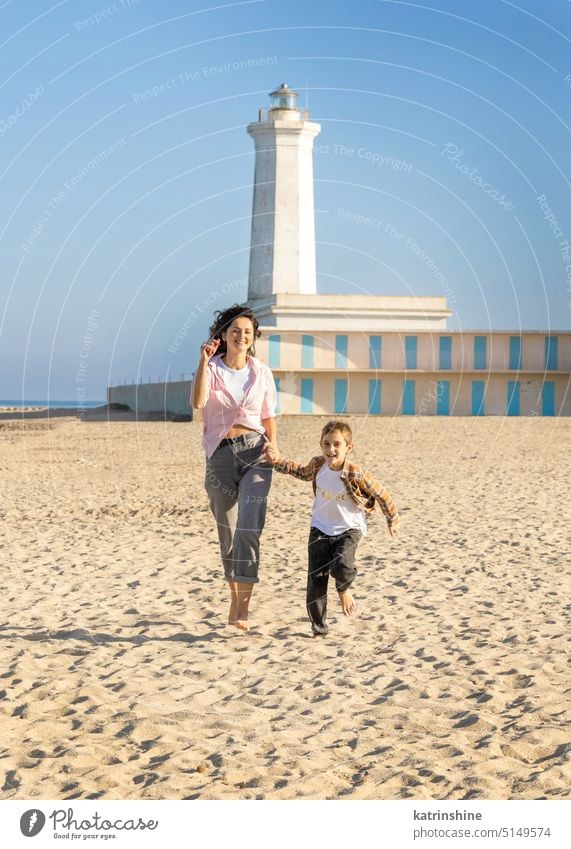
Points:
[[430, 384], [427, 390], [428, 349], [172, 397], [378, 313]]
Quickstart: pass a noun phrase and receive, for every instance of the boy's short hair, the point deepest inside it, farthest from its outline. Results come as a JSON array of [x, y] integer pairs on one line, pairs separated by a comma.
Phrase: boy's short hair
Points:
[[342, 427]]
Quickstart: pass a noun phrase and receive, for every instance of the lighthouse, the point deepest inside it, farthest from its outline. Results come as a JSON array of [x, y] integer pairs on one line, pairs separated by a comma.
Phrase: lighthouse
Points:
[[358, 353], [282, 248], [282, 287]]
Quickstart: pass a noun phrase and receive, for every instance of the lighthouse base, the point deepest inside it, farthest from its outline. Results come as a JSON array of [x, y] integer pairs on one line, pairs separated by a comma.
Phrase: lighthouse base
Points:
[[350, 312]]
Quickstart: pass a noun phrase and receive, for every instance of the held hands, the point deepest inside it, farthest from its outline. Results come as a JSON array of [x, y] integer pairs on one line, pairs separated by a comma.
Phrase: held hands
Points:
[[272, 453], [208, 349]]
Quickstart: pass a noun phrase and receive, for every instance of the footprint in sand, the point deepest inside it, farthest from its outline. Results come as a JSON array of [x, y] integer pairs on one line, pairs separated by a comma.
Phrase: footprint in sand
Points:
[[11, 781], [530, 754]]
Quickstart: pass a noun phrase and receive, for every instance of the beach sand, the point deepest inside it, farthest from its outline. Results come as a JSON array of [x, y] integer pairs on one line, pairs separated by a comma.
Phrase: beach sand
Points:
[[120, 680]]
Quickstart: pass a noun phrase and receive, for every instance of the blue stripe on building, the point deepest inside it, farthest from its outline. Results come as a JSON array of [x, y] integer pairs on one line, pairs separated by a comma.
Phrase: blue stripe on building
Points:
[[375, 389], [548, 398], [445, 358], [274, 351], [307, 351], [410, 349], [340, 396], [480, 351], [307, 395], [551, 353], [477, 397], [515, 353], [375, 351], [513, 398], [443, 398], [408, 398], [341, 349]]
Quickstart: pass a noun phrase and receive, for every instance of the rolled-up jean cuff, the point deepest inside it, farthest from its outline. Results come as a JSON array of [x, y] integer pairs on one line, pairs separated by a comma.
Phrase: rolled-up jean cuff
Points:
[[243, 579]]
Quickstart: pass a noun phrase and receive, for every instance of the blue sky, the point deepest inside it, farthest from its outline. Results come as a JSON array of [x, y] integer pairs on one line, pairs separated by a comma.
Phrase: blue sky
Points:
[[126, 171]]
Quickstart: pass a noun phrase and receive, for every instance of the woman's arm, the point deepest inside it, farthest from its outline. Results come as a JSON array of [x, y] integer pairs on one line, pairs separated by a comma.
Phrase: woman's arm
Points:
[[271, 431], [268, 413], [198, 396]]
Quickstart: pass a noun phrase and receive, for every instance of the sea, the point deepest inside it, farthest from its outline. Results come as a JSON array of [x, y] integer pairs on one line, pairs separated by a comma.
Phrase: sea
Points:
[[51, 404]]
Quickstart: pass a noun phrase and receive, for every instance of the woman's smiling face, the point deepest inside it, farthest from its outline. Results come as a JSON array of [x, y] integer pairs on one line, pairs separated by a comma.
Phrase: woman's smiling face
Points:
[[239, 336]]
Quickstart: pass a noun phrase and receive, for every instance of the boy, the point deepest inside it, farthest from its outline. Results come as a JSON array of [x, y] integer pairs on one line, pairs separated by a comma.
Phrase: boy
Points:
[[345, 494]]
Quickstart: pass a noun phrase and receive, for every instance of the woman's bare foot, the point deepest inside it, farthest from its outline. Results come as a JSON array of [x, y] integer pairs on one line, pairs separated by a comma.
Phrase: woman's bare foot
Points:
[[347, 602], [244, 594]]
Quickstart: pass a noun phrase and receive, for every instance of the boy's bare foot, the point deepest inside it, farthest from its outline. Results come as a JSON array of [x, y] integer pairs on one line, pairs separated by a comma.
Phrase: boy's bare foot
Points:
[[347, 602]]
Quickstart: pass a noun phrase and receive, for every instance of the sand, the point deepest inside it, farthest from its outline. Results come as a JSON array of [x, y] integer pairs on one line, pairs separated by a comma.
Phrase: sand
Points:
[[120, 680]]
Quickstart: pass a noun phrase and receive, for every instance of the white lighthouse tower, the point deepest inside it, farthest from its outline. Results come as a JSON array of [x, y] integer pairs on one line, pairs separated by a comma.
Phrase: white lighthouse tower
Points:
[[282, 253], [282, 288]]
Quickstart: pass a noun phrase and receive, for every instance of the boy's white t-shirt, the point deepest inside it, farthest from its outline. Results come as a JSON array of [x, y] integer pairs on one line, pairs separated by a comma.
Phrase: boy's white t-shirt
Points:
[[334, 511], [235, 380]]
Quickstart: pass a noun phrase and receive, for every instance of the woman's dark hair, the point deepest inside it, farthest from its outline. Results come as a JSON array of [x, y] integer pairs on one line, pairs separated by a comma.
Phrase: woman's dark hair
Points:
[[224, 318]]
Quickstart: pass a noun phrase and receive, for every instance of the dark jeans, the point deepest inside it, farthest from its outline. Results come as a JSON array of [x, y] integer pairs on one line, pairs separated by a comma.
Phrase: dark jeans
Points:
[[238, 479], [333, 556]]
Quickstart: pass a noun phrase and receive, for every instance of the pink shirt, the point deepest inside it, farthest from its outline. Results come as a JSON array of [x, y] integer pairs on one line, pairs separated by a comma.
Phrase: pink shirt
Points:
[[221, 411]]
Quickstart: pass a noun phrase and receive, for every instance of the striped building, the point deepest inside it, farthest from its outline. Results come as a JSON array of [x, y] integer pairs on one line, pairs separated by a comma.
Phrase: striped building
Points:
[[439, 373], [364, 354]]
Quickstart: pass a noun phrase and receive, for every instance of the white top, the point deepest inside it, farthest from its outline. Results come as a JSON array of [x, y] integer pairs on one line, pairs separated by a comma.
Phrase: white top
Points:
[[221, 412], [236, 381], [334, 511]]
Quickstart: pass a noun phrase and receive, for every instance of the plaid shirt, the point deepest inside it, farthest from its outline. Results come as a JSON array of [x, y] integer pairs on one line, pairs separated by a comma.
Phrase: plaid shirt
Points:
[[359, 483]]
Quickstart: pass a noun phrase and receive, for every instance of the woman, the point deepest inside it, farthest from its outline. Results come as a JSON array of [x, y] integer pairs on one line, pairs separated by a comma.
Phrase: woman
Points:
[[237, 395]]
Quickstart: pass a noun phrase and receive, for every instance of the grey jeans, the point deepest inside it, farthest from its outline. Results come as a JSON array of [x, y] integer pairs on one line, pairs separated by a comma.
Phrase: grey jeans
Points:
[[238, 481]]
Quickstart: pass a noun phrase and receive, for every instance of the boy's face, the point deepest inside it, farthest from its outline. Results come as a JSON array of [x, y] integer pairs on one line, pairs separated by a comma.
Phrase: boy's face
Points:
[[335, 448]]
